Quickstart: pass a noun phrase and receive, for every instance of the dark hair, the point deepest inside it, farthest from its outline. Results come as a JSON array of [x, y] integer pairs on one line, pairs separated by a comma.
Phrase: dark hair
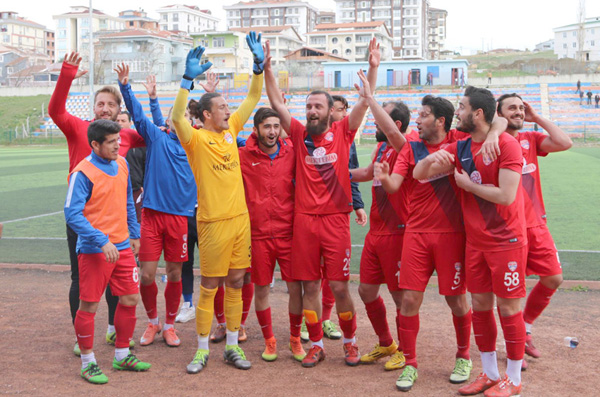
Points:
[[440, 107], [506, 96], [339, 98], [109, 90], [327, 96], [193, 106], [262, 114], [204, 103], [127, 113], [480, 98], [99, 129], [400, 113]]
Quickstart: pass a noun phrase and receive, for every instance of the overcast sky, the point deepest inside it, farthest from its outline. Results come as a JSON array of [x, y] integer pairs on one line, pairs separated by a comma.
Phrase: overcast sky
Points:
[[472, 24]]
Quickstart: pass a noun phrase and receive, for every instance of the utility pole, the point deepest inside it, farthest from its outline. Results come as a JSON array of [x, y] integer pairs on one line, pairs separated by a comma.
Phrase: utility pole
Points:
[[91, 56]]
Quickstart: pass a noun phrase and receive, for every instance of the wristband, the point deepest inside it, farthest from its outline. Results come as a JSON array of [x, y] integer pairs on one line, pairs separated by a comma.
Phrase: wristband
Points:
[[187, 84]]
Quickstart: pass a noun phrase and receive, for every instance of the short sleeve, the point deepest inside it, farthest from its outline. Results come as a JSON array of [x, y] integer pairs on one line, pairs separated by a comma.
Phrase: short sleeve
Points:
[[511, 156], [539, 138], [405, 162]]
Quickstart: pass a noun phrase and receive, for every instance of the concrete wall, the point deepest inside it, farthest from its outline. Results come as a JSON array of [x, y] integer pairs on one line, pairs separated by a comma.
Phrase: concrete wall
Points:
[[522, 80]]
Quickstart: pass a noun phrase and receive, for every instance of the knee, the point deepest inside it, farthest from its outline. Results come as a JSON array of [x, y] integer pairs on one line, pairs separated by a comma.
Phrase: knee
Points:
[[147, 279], [311, 288], [339, 289], [458, 304], [552, 282], [368, 293], [129, 300]]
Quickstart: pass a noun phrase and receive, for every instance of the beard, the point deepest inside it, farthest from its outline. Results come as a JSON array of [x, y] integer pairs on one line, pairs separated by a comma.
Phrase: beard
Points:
[[380, 136], [317, 129], [467, 125], [515, 124]]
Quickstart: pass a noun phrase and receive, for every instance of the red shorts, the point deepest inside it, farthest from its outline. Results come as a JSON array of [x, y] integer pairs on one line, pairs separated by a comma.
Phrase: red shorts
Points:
[[542, 255], [317, 236], [95, 273], [425, 252], [380, 260], [500, 272], [162, 231], [265, 252]]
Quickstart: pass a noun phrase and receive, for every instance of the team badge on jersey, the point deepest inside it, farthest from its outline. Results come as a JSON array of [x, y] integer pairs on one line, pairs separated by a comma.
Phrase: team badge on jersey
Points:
[[347, 252], [512, 266], [528, 168], [388, 154], [228, 138], [319, 152], [525, 144], [329, 136], [458, 266], [475, 177], [185, 237]]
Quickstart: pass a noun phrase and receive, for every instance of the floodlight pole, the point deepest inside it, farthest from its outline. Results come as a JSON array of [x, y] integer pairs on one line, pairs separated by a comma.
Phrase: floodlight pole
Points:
[[91, 56]]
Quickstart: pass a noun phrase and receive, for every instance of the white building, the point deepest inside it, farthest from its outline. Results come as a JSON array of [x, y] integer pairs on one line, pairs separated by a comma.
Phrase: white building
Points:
[[73, 30], [566, 40], [407, 21], [189, 19], [25, 34], [283, 40], [351, 40], [299, 14]]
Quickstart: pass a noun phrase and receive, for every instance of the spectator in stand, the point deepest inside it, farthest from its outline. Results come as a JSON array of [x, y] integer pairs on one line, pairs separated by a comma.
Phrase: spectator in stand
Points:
[[489, 75], [578, 86], [597, 100], [589, 96], [580, 97]]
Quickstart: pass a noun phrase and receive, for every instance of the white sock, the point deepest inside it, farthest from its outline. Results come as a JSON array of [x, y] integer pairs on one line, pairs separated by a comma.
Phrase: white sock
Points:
[[513, 371], [351, 340], [318, 343], [528, 328], [153, 321], [223, 324], [167, 326], [110, 329], [489, 362], [121, 353], [203, 342], [86, 359], [232, 338]]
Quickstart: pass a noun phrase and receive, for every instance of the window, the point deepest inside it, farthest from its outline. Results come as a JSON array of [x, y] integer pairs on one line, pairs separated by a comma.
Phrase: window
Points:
[[276, 12], [592, 43], [175, 17], [574, 45], [565, 46], [175, 26], [574, 33], [334, 40], [130, 23], [218, 42], [348, 51], [348, 39], [334, 52]]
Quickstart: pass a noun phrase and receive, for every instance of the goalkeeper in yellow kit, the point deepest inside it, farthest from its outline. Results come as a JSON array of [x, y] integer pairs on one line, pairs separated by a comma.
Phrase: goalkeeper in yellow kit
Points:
[[223, 222]]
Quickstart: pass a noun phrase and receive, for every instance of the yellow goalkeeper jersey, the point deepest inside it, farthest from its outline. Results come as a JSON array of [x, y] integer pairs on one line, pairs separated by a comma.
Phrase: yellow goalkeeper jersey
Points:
[[214, 157]]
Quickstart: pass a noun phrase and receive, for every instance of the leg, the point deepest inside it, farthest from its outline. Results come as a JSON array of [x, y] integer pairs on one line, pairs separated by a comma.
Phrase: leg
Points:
[[263, 314], [369, 293], [328, 301], [172, 297], [247, 295], [74, 289], [149, 293]]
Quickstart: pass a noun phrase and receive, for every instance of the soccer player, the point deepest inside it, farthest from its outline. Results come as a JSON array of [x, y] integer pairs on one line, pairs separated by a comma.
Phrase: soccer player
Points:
[[223, 222], [542, 256], [323, 202], [383, 244], [268, 168], [107, 105], [496, 240], [99, 208], [164, 220]]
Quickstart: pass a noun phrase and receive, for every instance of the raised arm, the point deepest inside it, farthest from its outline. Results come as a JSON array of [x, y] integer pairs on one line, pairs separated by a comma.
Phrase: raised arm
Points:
[[275, 97], [193, 69], [57, 107], [212, 81], [143, 125], [360, 109], [383, 119], [557, 140], [150, 85]]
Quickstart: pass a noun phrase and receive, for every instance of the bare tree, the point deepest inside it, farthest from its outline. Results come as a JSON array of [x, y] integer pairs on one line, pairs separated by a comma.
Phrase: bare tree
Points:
[[580, 56]]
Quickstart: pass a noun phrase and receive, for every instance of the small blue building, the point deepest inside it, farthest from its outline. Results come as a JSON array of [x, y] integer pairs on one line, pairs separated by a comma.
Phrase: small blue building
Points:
[[399, 73]]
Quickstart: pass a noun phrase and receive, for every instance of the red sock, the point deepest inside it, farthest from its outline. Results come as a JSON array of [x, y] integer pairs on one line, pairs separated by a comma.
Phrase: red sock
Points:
[[514, 335], [295, 324], [247, 295], [400, 347], [124, 325], [462, 327], [378, 316], [172, 297], [538, 300], [84, 329], [409, 328], [219, 305], [348, 326], [264, 319], [149, 293], [328, 301], [315, 330], [485, 330]]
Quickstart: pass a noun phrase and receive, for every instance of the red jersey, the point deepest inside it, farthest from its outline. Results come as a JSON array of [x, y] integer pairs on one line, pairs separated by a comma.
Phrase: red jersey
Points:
[[535, 211], [434, 204], [388, 211], [74, 128], [490, 226], [269, 188], [322, 174]]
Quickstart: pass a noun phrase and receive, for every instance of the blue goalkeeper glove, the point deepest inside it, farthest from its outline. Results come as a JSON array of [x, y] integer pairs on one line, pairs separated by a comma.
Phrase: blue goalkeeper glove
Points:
[[193, 68], [257, 52]]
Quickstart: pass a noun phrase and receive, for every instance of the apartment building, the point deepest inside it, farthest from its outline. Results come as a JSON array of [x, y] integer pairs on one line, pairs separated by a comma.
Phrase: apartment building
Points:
[[186, 18]]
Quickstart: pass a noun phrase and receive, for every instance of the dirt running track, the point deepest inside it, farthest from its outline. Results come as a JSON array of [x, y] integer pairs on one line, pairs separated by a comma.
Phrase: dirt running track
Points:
[[36, 338]]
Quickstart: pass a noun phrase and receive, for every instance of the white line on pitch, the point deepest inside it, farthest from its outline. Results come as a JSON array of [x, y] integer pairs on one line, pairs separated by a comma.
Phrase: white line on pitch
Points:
[[32, 217]]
